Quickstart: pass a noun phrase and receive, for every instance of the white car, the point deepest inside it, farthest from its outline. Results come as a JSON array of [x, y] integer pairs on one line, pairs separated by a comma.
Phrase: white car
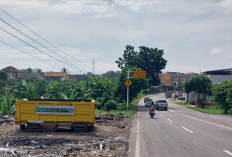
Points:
[[149, 102], [161, 104]]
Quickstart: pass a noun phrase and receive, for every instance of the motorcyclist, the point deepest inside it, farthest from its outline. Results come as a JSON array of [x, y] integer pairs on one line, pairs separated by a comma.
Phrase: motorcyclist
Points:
[[152, 108]]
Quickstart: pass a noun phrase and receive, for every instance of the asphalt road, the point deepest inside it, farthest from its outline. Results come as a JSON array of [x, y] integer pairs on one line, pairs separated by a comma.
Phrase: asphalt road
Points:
[[179, 132]]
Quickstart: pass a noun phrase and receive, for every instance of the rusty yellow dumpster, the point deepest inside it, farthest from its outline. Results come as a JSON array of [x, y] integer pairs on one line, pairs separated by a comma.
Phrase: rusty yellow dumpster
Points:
[[78, 114]]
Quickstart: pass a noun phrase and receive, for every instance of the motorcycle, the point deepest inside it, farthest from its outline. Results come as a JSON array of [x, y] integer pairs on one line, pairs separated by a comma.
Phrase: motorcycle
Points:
[[152, 113]]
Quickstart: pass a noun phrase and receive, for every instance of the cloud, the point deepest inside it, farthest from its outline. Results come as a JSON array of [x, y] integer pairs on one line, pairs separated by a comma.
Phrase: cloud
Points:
[[217, 51], [96, 8]]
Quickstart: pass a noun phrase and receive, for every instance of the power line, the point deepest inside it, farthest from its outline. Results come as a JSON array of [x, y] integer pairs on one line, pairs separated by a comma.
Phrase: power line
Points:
[[32, 46], [4, 60], [42, 37], [29, 54], [35, 41]]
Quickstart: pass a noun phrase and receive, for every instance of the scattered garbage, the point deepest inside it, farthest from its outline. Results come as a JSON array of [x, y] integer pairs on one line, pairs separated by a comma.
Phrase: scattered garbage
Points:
[[109, 138]]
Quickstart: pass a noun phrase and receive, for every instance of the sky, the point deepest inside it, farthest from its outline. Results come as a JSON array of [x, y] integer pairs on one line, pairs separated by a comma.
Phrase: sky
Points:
[[90, 35]]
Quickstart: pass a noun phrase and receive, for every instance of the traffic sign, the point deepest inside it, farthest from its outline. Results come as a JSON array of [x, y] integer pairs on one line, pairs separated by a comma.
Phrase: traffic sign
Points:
[[128, 82], [139, 74]]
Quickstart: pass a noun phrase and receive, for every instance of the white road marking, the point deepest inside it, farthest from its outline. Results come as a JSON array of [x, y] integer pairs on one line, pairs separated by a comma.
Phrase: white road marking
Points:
[[228, 152], [137, 146], [169, 120], [205, 121], [187, 129], [161, 115]]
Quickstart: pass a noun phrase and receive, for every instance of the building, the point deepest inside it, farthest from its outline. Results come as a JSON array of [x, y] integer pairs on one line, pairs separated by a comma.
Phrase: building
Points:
[[59, 76], [177, 77], [218, 76], [14, 73]]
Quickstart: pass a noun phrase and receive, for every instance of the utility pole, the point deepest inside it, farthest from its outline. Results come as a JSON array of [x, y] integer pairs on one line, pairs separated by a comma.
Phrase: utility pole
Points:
[[127, 101]]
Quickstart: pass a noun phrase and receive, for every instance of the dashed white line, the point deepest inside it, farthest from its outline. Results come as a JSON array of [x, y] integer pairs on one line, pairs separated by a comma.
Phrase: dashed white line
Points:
[[187, 130], [161, 115], [228, 152], [137, 145], [169, 120]]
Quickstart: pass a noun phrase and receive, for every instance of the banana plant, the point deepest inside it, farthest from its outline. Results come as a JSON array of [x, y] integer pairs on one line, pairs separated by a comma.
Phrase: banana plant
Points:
[[7, 104]]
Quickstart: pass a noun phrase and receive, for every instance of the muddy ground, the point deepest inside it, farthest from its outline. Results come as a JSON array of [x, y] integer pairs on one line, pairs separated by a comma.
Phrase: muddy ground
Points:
[[109, 138]]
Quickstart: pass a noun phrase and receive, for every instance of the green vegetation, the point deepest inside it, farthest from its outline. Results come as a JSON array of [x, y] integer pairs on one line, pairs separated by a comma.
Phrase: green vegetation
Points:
[[201, 85], [222, 94], [125, 111], [149, 59], [208, 110], [109, 91], [213, 109], [181, 103]]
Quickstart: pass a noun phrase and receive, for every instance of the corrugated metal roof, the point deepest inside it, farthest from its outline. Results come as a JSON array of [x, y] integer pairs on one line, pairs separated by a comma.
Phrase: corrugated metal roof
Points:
[[219, 72]]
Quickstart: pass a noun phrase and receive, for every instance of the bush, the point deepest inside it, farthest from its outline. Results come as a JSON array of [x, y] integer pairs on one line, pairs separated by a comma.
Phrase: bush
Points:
[[209, 103], [122, 106], [193, 102], [99, 103], [110, 105]]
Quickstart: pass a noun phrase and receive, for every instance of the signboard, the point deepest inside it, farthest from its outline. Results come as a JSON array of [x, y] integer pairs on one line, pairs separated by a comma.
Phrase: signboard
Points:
[[140, 74], [166, 79], [55, 110], [128, 82]]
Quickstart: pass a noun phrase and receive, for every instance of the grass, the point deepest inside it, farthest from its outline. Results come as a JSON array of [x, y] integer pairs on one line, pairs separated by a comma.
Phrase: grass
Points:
[[130, 112], [181, 103], [208, 110]]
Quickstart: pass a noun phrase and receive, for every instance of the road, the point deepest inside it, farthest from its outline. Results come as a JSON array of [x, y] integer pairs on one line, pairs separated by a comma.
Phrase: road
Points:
[[179, 132]]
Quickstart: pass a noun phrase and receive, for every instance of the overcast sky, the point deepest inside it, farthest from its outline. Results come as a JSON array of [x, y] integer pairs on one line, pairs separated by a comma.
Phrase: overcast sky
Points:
[[196, 35]]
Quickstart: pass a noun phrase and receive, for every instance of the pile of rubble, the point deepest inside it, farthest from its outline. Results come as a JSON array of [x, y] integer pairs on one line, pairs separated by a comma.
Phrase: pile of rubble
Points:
[[7, 119], [119, 121], [62, 147], [109, 138]]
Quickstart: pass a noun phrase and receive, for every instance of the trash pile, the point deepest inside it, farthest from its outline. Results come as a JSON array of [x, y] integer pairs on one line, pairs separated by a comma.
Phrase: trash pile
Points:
[[119, 121], [7, 119], [109, 138], [23, 146]]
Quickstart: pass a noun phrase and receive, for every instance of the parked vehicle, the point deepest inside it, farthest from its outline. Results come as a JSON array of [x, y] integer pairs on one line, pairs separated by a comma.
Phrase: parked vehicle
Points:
[[161, 104]]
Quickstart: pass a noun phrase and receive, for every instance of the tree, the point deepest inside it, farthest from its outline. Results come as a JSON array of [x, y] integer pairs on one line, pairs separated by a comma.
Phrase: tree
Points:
[[28, 70], [3, 76], [137, 85], [187, 88], [111, 74], [222, 94], [129, 58], [40, 71], [64, 70], [153, 62], [201, 85], [148, 59]]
